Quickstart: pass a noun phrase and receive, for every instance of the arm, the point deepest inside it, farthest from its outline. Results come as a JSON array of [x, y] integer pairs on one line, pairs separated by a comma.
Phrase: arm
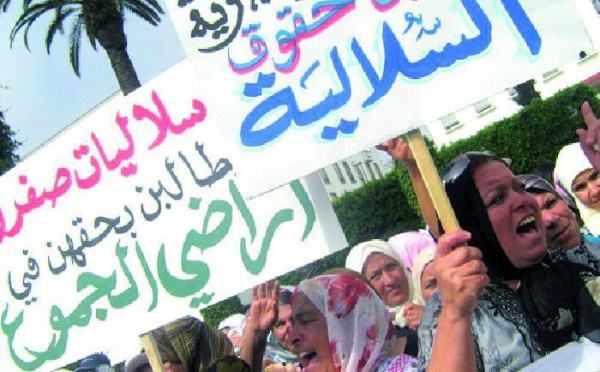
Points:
[[263, 315], [461, 274], [399, 150], [590, 138]]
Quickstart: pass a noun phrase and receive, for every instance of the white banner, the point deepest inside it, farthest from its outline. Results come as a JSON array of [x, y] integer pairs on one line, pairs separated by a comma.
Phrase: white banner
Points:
[[133, 217], [299, 84]]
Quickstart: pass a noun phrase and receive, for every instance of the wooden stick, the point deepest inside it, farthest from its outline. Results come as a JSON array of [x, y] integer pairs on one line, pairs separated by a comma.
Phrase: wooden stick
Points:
[[152, 352], [432, 180]]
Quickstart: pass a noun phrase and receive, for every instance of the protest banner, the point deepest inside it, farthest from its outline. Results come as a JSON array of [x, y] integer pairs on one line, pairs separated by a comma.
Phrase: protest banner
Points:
[[134, 217], [300, 84]]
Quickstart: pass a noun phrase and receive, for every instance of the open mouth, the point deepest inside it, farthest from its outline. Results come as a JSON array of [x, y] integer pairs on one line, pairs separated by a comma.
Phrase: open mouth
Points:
[[527, 226], [307, 360]]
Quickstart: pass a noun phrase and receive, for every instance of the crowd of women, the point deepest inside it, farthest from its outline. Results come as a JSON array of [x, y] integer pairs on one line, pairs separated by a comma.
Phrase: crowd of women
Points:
[[518, 281]]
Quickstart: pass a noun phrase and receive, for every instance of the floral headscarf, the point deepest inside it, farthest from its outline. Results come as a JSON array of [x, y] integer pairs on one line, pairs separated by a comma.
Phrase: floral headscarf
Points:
[[570, 162], [358, 257], [359, 325]]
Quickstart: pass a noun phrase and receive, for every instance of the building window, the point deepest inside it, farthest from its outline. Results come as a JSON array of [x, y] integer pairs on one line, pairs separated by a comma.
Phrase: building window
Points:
[[333, 195], [377, 170], [339, 173], [360, 172], [450, 122], [349, 172], [549, 75], [324, 177], [370, 169], [482, 107]]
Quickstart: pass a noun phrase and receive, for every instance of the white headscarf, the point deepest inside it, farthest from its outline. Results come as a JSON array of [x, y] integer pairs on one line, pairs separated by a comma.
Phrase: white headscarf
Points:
[[571, 161], [358, 257], [423, 258], [358, 324]]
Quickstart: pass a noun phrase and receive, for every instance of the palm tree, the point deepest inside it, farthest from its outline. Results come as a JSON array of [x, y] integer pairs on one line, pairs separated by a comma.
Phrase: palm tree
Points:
[[102, 21]]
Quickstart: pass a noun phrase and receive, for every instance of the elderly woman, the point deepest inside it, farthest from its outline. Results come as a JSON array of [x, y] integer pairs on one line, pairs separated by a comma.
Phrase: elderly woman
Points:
[[532, 305], [561, 222], [340, 324], [577, 169], [384, 270]]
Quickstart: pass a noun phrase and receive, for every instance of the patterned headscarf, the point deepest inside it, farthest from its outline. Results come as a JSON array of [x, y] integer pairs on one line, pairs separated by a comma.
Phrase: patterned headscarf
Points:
[[571, 161], [359, 325], [357, 259], [191, 342]]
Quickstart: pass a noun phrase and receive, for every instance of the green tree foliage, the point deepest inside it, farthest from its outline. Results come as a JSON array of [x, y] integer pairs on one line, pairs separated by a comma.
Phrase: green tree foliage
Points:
[[379, 209], [8, 146], [101, 20], [214, 314]]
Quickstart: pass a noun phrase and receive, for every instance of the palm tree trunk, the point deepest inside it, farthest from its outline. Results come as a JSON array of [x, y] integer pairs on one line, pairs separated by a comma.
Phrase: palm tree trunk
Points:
[[123, 68]]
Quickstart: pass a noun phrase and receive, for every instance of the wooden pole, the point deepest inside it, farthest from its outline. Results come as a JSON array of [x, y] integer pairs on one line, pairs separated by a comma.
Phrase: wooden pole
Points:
[[152, 352], [432, 181]]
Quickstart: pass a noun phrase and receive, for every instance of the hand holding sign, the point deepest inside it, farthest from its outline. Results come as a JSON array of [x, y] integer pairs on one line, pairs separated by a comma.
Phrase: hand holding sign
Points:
[[460, 273]]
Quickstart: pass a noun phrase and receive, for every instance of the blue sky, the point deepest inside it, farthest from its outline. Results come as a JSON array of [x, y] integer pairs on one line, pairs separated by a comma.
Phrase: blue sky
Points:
[[42, 94]]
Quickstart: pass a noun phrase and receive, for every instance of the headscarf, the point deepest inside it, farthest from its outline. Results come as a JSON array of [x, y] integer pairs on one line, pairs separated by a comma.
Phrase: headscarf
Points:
[[408, 245], [193, 343], [571, 161], [230, 363], [358, 257], [553, 294], [359, 325], [424, 257]]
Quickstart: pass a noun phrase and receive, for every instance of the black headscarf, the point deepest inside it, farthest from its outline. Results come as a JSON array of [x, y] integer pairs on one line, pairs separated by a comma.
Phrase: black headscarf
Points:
[[472, 215], [553, 294]]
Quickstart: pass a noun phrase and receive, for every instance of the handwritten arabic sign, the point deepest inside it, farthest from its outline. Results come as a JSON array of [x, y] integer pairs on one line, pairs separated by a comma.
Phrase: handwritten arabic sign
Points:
[[132, 218], [299, 84]]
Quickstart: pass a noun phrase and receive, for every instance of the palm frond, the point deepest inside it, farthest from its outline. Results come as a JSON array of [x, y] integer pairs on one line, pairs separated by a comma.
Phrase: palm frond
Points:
[[29, 16], [4, 5], [75, 43], [145, 12], [57, 24]]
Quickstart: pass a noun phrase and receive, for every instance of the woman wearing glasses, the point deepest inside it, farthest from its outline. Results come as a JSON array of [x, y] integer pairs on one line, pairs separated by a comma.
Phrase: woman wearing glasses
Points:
[[532, 306]]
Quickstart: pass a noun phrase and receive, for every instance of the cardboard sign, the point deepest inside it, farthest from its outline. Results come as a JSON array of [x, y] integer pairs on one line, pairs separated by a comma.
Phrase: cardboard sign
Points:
[[134, 217], [299, 84]]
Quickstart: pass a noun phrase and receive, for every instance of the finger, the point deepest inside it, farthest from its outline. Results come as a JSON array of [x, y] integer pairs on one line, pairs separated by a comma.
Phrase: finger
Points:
[[255, 293], [261, 291], [275, 292], [449, 241], [588, 150], [591, 121]]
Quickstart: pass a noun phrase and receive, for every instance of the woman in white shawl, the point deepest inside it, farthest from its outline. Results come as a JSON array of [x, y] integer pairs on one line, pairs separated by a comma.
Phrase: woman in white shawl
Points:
[[577, 170], [384, 270]]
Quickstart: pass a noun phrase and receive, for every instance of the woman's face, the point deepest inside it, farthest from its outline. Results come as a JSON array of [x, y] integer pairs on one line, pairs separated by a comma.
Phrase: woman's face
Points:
[[562, 228], [586, 187], [387, 277], [428, 282], [309, 335], [514, 214], [283, 327]]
